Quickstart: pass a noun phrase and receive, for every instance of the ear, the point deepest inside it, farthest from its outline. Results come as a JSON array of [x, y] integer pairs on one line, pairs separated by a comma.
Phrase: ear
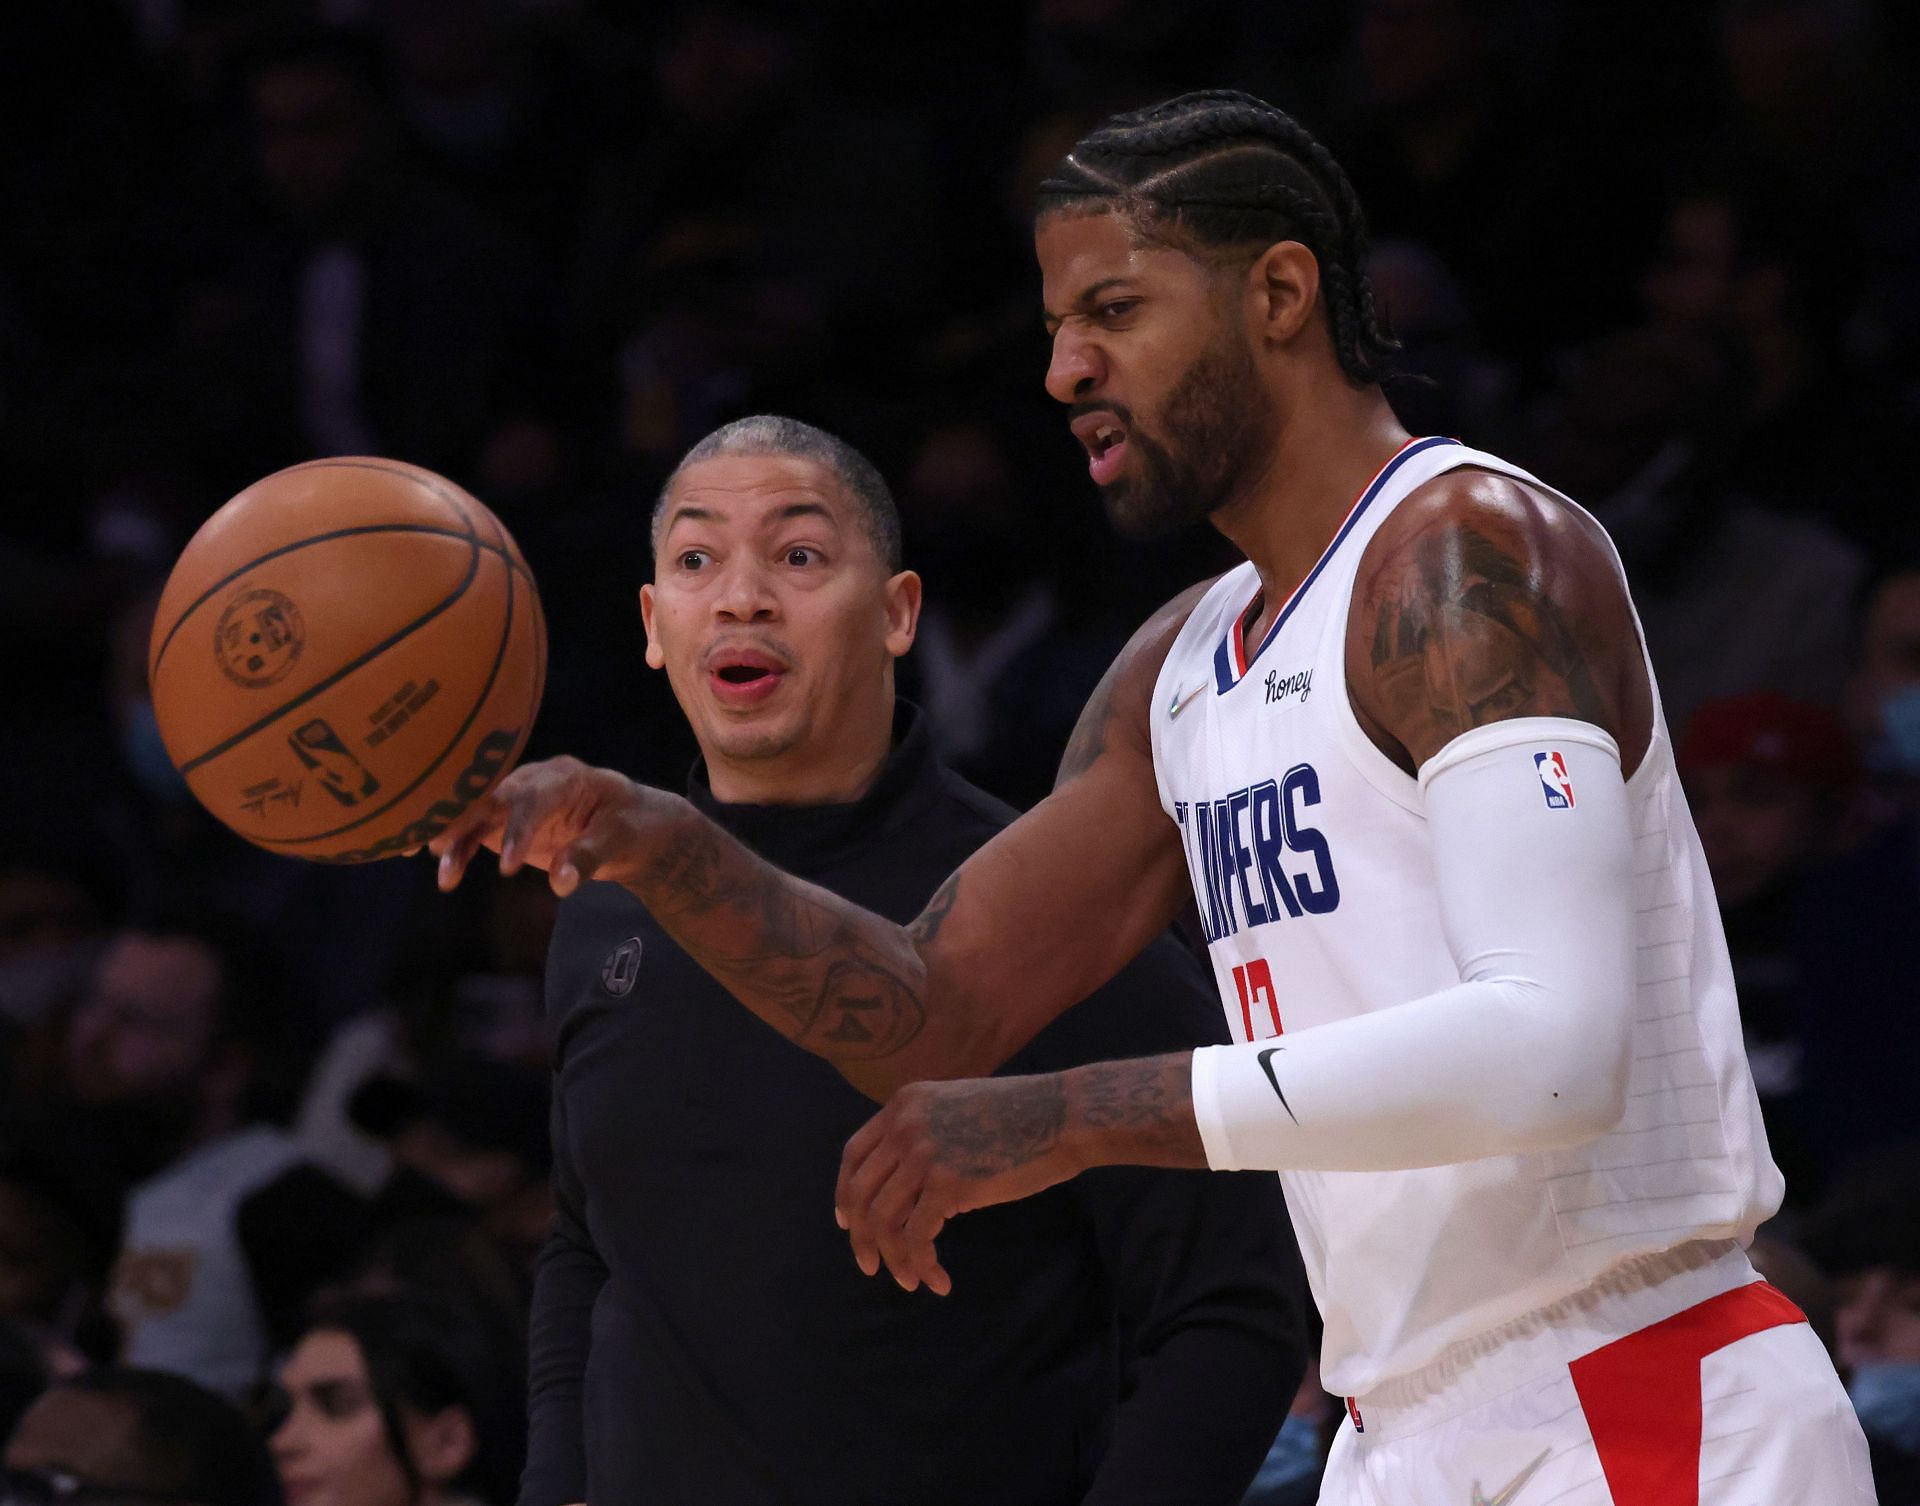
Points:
[[903, 611], [442, 1445], [656, 656], [1283, 286]]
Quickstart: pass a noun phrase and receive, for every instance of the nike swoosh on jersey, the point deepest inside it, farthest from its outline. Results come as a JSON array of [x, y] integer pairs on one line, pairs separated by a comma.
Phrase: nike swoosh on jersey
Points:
[[1181, 703], [1505, 1495], [1266, 1066]]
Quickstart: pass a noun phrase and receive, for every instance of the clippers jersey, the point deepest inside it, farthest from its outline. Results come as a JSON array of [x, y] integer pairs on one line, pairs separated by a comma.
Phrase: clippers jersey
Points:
[[1312, 874]]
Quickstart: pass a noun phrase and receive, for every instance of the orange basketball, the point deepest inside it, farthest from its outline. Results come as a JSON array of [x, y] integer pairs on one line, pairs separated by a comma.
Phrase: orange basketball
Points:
[[346, 656]]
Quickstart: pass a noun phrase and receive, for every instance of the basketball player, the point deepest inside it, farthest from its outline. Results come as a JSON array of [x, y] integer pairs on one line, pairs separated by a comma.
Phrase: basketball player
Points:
[[1409, 762]]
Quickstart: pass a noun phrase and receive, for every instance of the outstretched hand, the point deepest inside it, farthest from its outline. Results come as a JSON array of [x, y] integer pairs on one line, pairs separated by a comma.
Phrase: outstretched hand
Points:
[[574, 821], [943, 1148]]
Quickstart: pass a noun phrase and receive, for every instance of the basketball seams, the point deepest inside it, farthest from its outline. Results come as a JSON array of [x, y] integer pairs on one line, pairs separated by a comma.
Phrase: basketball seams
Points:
[[228, 744], [358, 531], [479, 701]]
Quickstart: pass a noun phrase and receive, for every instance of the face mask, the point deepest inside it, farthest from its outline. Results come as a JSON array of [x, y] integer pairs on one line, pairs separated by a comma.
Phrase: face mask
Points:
[[1887, 1397], [146, 755], [1295, 1456], [1900, 721]]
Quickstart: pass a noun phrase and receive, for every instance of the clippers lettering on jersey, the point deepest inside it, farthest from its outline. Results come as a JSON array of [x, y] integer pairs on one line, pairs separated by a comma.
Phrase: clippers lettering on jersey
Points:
[[1299, 683], [1555, 783], [1244, 851]]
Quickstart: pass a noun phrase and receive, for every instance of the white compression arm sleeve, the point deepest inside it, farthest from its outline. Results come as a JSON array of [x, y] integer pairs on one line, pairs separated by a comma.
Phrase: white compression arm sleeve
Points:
[[1530, 1052]]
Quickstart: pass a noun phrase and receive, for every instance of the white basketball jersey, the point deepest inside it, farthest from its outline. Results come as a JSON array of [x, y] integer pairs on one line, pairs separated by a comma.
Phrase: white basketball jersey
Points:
[[1313, 877]]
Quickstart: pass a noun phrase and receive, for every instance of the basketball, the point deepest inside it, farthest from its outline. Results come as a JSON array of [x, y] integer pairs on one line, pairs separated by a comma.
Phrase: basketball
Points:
[[346, 656]]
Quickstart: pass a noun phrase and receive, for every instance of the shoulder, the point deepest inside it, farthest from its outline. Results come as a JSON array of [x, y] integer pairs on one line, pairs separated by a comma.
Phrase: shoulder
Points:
[[1117, 713], [1481, 599], [1471, 517]]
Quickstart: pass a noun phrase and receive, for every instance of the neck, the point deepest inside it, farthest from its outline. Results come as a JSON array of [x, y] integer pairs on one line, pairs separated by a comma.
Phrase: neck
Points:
[[837, 774], [1329, 447]]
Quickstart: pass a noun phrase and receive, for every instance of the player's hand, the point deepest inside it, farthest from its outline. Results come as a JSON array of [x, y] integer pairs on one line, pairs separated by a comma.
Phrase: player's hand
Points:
[[942, 1148], [574, 821]]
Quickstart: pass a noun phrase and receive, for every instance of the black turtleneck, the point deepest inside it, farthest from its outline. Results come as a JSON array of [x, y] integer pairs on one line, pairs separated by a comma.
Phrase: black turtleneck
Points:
[[701, 1335]]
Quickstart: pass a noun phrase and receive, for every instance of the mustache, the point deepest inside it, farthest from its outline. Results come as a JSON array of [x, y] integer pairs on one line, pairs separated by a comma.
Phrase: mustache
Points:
[[765, 644], [1119, 410]]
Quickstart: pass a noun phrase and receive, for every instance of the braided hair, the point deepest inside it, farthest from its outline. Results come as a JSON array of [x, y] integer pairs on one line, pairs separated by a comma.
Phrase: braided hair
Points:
[[1219, 170]]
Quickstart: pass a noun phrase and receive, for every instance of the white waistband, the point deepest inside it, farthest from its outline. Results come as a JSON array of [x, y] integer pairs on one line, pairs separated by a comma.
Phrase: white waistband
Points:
[[1625, 1299]]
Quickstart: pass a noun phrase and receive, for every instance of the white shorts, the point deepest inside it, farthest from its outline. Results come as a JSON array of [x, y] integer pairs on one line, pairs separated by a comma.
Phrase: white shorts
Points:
[[1731, 1402]]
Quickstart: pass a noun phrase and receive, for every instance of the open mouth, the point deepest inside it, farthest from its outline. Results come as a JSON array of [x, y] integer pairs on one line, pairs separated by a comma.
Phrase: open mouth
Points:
[[1105, 440], [744, 677]]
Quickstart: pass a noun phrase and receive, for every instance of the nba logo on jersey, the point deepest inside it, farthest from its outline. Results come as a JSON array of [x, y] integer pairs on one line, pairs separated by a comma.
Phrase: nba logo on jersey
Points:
[[1554, 783]]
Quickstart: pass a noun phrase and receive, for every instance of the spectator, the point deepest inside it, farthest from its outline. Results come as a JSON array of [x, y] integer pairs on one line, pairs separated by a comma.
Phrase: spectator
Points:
[[161, 1061], [59, 1228], [999, 661], [1856, 930], [1883, 696], [377, 313], [1733, 596], [136, 1436], [398, 1401], [475, 1129], [1868, 1237], [1768, 780]]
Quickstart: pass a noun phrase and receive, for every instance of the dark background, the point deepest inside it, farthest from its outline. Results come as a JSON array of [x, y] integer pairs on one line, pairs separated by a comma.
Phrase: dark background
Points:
[[1661, 251]]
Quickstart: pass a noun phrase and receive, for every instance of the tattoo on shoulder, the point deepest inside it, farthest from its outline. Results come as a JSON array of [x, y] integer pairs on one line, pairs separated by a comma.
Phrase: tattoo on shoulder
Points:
[[1089, 738], [1464, 634]]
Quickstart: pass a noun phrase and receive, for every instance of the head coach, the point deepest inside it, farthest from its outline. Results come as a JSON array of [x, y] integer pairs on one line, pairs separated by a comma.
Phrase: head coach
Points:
[[699, 1335]]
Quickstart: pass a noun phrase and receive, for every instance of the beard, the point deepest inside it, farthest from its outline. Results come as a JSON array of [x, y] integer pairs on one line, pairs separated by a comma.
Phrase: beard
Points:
[[1216, 425]]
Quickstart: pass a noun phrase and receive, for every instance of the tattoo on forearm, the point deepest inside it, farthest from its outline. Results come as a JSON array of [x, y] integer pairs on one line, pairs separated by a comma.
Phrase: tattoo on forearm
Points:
[[995, 1125], [1146, 1104], [790, 952], [1089, 738], [1464, 635]]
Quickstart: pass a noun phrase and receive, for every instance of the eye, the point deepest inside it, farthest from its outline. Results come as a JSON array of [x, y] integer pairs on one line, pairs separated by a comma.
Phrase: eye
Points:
[[1118, 308], [693, 559], [802, 555]]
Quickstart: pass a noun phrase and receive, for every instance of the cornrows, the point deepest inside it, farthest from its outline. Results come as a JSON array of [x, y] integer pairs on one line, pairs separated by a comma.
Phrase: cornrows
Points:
[[1219, 169]]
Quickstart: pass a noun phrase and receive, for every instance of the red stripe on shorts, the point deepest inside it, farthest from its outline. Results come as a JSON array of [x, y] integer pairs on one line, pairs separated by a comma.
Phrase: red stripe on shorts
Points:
[[1641, 1394]]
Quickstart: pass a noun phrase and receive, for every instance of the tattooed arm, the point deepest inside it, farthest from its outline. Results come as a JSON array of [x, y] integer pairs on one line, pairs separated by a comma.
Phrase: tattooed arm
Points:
[[944, 1148], [1477, 602], [1032, 923], [1480, 600]]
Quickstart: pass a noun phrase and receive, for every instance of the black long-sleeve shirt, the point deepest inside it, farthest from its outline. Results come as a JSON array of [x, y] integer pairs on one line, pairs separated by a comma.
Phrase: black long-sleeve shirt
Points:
[[701, 1334]]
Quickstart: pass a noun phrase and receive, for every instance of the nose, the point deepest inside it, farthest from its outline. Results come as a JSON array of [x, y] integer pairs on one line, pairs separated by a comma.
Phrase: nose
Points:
[[287, 1442], [746, 591], [1076, 369]]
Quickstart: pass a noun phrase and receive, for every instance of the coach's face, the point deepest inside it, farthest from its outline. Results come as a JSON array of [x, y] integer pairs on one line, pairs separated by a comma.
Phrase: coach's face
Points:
[[1153, 353], [775, 618]]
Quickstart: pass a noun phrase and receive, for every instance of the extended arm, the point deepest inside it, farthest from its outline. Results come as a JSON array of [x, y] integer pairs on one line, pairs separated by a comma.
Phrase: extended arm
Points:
[[1487, 624], [1032, 923]]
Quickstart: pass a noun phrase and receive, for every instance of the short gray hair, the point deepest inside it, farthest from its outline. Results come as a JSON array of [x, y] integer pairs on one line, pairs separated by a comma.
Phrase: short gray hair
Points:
[[771, 434]]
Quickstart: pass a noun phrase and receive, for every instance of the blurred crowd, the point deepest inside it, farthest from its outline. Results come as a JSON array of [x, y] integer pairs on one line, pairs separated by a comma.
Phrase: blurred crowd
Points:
[[273, 1136]]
